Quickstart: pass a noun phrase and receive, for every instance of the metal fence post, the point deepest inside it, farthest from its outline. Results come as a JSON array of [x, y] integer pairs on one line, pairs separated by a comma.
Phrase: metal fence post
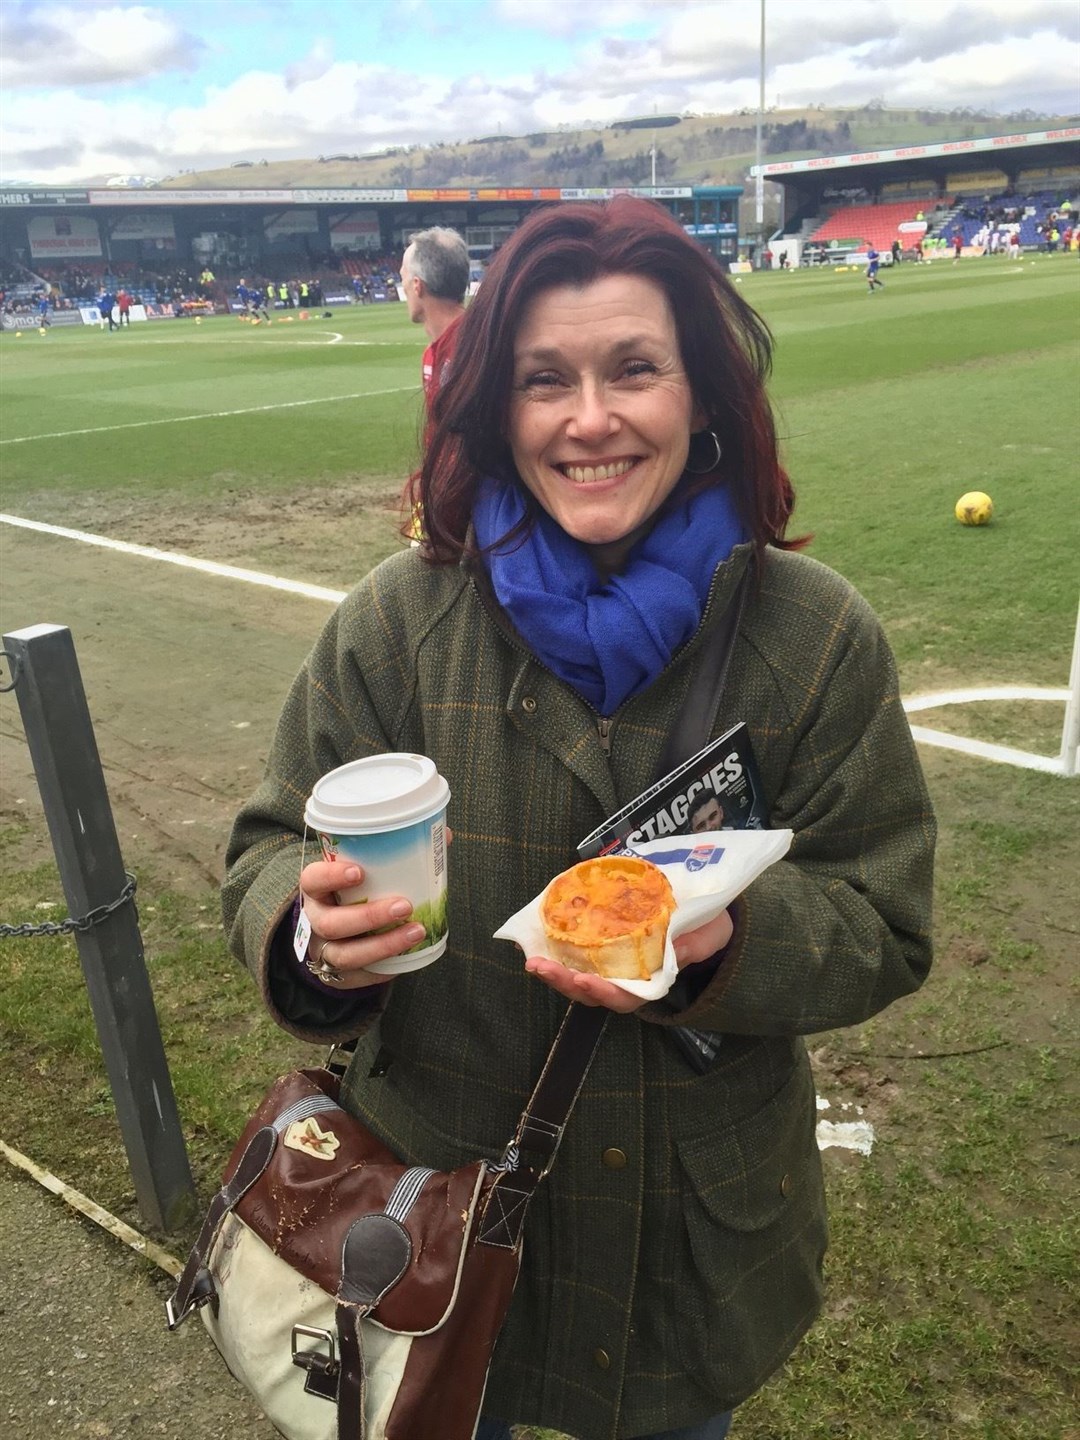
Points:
[[60, 736]]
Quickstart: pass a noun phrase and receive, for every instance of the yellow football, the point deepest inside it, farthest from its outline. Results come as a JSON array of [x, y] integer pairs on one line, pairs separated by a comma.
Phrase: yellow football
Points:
[[974, 508]]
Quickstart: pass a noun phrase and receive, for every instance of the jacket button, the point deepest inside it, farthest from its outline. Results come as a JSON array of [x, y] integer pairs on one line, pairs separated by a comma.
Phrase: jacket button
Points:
[[786, 1185], [528, 704], [614, 1159], [602, 1359]]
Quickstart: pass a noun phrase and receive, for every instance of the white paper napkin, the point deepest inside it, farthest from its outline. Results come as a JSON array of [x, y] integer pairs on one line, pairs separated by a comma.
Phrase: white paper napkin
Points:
[[706, 873]]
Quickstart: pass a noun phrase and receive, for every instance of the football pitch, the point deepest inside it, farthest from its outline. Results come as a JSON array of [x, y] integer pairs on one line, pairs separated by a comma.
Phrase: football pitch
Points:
[[282, 449]]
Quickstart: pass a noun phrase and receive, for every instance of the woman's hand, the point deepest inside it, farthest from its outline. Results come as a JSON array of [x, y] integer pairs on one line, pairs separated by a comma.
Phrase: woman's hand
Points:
[[342, 942], [690, 949]]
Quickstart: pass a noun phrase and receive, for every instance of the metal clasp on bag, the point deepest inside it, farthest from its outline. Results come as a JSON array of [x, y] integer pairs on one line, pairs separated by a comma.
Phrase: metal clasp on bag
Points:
[[322, 1370], [337, 1061], [203, 1292]]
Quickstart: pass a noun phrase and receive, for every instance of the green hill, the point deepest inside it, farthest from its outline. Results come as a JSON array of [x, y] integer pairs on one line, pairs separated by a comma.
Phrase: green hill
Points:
[[692, 150]]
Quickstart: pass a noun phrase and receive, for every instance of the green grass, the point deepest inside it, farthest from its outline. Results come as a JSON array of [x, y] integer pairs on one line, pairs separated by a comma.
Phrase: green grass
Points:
[[952, 1272], [890, 406], [222, 403]]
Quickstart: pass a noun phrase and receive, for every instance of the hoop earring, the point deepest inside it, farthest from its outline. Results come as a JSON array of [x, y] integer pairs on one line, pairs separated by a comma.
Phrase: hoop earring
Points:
[[713, 463]]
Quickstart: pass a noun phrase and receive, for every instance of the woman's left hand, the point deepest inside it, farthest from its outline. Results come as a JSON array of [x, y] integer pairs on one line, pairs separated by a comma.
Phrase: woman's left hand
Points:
[[690, 949]]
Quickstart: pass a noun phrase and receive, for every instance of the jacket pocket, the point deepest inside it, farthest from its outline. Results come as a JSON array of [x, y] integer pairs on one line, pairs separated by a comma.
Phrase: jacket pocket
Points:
[[754, 1236]]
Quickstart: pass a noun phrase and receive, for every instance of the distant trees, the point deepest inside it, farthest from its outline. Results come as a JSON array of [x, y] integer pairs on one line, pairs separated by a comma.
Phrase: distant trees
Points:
[[800, 135], [694, 153]]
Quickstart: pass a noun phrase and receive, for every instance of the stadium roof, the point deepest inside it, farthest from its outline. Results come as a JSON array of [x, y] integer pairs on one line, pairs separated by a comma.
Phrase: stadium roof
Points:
[[1028, 150], [342, 195]]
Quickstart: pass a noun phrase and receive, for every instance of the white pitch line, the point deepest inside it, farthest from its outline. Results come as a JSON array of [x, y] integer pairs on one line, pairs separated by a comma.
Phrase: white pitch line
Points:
[[188, 562], [986, 692], [207, 415], [999, 753], [1002, 754]]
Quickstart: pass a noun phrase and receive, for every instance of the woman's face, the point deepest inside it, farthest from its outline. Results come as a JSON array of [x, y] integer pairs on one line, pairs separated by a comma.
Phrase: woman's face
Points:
[[601, 410]]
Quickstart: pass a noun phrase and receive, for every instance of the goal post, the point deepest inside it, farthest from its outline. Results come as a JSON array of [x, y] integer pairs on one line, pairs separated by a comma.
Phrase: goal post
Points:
[[1070, 734]]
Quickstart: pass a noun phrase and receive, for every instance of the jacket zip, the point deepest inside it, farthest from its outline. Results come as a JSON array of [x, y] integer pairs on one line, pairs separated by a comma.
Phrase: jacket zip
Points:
[[604, 723]]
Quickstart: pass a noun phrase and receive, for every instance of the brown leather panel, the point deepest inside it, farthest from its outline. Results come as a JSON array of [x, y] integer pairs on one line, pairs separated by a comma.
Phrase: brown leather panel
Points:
[[443, 1387], [303, 1205]]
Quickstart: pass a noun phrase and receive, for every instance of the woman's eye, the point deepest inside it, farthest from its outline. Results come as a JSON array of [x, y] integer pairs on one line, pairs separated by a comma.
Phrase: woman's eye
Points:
[[541, 380], [635, 368]]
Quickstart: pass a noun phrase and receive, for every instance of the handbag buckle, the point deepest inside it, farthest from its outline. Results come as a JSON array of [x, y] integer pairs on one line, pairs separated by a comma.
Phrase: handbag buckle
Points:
[[322, 1369]]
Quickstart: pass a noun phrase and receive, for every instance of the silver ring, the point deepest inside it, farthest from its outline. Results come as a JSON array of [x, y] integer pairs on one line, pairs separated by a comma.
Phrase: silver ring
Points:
[[323, 969]]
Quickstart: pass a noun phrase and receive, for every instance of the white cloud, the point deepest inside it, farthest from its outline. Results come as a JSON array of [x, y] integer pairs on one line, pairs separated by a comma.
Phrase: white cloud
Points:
[[65, 45], [313, 66], [569, 19], [1001, 55]]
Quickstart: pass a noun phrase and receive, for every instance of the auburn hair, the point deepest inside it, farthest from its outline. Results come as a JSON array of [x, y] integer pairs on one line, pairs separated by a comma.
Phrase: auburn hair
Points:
[[725, 346]]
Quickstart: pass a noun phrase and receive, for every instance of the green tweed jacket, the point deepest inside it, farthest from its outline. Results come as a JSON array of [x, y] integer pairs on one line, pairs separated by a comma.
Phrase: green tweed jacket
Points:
[[673, 1257]]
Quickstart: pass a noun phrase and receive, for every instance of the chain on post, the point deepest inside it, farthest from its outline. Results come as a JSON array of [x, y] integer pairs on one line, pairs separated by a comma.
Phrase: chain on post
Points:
[[13, 666], [83, 923]]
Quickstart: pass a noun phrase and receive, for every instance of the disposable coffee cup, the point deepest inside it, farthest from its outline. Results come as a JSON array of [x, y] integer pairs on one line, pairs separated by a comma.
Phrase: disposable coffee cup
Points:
[[388, 814]]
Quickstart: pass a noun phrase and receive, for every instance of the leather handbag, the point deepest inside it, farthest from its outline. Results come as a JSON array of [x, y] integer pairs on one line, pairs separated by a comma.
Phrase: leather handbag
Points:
[[358, 1297]]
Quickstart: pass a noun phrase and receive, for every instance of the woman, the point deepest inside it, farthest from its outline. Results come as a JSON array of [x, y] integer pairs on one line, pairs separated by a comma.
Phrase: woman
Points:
[[601, 475]]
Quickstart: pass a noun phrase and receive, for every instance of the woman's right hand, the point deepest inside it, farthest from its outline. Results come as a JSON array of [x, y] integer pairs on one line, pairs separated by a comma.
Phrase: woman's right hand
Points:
[[342, 938]]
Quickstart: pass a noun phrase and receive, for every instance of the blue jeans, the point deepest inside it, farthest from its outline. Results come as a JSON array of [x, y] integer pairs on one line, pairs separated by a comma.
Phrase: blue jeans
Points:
[[714, 1429]]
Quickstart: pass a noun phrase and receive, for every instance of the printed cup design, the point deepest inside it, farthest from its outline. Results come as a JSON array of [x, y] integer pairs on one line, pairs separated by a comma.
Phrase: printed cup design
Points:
[[393, 863], [387, 813]]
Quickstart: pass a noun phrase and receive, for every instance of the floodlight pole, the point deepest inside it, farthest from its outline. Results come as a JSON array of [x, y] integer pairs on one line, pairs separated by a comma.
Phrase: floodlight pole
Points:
[[1070, 734], [760, 187]]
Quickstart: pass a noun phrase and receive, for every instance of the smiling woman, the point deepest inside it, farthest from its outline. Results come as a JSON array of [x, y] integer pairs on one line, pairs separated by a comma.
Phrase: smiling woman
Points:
[[604, 512]]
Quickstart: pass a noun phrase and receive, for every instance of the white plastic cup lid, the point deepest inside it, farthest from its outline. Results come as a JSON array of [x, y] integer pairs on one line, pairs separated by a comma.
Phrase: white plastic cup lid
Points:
[[380, 792]]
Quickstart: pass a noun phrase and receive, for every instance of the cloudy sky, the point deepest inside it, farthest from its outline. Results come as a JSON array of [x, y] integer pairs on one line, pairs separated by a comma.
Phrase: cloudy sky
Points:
[[92, 89]]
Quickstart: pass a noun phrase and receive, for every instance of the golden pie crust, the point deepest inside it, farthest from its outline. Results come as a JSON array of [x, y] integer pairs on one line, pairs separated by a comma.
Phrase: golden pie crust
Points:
[[609, 916]]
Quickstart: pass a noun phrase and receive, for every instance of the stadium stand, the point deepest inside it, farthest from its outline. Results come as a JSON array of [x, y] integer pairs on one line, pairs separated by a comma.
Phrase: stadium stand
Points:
[[876, 225], [1036, 214]]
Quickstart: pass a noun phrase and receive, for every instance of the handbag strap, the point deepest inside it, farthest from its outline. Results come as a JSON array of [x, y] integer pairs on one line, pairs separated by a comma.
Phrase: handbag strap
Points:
[[531, 1153], [697, 714]]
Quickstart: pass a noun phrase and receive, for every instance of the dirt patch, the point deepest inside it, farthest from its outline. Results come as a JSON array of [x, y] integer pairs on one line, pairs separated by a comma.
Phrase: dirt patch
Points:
[[328, 535]]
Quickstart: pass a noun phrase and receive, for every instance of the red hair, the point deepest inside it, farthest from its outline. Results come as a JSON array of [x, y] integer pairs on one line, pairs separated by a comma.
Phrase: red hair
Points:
[[726, 350]]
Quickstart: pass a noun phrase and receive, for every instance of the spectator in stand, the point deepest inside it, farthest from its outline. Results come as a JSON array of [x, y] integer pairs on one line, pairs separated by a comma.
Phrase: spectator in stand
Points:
[[435, 277]]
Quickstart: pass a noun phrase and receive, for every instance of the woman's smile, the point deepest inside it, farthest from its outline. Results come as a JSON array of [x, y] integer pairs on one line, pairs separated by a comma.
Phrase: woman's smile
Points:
[[587, 474]]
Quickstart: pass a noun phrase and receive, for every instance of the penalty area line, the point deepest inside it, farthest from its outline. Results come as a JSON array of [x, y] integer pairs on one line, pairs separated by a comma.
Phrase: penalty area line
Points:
[[187, 562], [207, 415]]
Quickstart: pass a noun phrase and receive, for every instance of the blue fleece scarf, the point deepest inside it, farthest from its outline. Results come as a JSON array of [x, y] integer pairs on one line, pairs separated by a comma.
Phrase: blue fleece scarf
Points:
[[606, 639]]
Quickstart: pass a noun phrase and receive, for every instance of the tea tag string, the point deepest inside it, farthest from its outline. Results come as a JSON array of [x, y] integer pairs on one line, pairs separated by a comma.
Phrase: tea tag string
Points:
[[302, 934]]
